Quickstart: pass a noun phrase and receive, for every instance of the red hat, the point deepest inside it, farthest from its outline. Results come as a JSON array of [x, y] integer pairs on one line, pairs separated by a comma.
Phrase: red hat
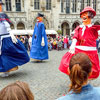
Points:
[[88, 8]]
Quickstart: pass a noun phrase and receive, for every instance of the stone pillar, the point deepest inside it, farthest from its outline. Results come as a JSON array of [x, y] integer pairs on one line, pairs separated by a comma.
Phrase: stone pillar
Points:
[[13, 5], [31, 2], [85, 3], [98, 7], [64, 7], [78, 6], [22, 5], [71, 6], [15, 26], [70, 28]]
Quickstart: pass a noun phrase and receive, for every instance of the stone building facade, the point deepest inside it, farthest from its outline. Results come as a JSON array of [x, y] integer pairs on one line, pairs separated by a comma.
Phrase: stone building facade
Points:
[[59, 14]]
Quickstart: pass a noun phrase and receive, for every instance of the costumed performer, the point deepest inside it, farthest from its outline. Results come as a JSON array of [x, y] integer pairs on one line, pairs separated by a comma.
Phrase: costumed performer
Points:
[[84, 40], [39, 47], [12, 51]]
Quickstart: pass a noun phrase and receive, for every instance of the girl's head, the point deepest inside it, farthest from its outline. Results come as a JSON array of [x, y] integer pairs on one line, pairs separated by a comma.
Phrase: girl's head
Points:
[[80, 69], [16, 91]]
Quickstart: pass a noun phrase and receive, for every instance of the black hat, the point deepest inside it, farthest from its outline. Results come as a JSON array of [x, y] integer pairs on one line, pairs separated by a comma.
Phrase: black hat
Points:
[[1, 2], [40, 15]]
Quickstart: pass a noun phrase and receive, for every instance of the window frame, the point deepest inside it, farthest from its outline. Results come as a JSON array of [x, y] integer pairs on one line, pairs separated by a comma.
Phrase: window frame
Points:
[[8, 5], [18, 4], [36, 4], [48, 4]]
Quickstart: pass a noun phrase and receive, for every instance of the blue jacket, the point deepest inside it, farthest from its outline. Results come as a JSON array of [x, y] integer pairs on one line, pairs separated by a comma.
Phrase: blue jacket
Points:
[[88, 93]]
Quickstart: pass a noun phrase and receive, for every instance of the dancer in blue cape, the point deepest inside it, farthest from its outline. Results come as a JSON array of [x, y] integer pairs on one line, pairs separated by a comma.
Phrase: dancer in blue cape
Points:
[[39, 48], [12, 51]]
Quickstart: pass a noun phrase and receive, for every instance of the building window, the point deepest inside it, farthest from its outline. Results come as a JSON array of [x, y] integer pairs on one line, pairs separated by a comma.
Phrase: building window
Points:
[[36, 4], [74, 5], [62, 6], [82, 5], [88, 2], [48, 4], [18, 5], [94, 4], [8, 5], [67, 6]]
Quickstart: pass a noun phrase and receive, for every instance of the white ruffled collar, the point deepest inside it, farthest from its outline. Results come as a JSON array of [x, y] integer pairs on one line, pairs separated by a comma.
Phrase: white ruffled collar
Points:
[[90, 25]]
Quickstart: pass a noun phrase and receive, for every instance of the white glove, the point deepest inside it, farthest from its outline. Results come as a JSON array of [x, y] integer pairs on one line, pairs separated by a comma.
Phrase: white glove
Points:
[[72, 47], [42, 43], [14, 40]]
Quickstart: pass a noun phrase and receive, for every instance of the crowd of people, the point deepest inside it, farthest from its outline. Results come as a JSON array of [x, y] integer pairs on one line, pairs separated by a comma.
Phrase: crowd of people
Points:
[[26, 40], [58, 43]]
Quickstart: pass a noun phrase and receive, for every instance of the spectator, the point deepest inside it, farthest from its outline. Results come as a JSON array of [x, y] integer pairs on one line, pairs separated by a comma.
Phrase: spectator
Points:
[[80, 69], [70, 41], [26, 42], [65, 42], [49, 45], [22, 39], [30, 42], [55, 44], [98, 46], [59, 44], [16, 91]]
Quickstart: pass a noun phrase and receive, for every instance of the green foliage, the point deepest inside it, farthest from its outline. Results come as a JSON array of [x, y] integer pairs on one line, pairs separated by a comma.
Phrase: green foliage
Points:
[[59, 31]]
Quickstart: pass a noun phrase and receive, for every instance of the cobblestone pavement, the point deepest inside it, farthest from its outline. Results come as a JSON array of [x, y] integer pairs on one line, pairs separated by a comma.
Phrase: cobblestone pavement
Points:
[[44, 79]]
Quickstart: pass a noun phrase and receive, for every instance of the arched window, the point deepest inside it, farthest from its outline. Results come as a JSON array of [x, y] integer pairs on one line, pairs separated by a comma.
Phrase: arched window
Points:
[[12, 26], [67, 6], [65, 28], [18, 5], [36, 4], [8, 5], [75, 25], [74, 5], [45, 21], [20, 26], [94, 4], [88, 2], [82, 5], [62, 6], [96, 23], [48, 4]]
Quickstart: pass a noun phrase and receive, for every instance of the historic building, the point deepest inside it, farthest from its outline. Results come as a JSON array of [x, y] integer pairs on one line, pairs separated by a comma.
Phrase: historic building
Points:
[[59, 14]]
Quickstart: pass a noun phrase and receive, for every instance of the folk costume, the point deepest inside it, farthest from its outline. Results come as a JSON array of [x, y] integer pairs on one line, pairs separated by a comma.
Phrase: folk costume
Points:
[[39, 47], [84, 40], [12, 51]]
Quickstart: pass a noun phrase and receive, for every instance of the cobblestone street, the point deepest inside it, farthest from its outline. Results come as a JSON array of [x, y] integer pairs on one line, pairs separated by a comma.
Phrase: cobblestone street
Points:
[[44, 79]]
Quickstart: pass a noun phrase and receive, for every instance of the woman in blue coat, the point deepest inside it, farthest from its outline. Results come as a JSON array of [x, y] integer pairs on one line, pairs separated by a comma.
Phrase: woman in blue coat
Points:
[[12, 51], [39, 48]]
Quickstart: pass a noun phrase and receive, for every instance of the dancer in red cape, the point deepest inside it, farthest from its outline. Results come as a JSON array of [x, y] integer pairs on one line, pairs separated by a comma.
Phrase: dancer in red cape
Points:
[[84, 40]]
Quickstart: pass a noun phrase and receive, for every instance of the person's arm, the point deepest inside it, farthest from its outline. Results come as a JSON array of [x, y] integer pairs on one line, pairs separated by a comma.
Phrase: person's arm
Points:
[[74, 41], [72, 47], [43, 30]]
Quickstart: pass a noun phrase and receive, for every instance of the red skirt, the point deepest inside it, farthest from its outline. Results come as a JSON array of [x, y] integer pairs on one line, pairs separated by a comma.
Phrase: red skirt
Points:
[[93, 57]]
